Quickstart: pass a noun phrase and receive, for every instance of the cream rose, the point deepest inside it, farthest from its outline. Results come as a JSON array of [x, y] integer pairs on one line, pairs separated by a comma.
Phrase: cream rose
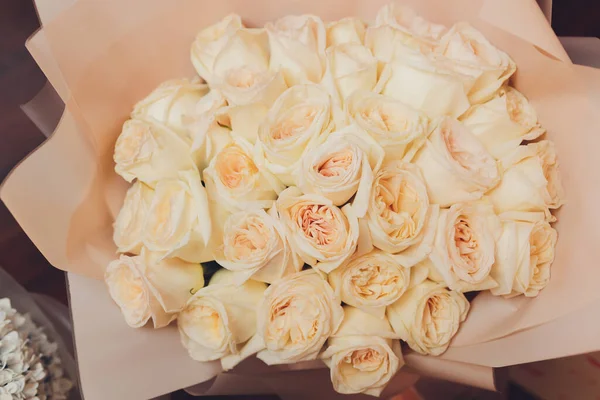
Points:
[[241, 70], [398, 128], [350, 67], [428, 316], [220, 318], [472, 54], [235, 181], [147, 287], [342, 167], [524, 255], [407, 20], [149, 151], [346, 30], [531, 180], [298, 121], [502, 123], [208, 135], [179, 220], [427, 83], [401, 221], [465, 245], [362, 356], [210, 41], [296, 316], [255, 247], [297, 45], [391, 44], [129, 224], [455, 165], [172, 103], [370, 281], [322, 234]]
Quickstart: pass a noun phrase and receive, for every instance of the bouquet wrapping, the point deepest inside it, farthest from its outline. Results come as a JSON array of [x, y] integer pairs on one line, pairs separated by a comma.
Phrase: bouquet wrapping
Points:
[[68, 209]]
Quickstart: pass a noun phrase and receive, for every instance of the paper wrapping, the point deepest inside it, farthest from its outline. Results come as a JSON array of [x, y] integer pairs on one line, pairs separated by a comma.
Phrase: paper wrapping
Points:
[[66, 195]]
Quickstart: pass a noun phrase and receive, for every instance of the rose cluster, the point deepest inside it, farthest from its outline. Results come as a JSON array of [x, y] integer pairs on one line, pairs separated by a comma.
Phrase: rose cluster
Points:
[[351, 180]]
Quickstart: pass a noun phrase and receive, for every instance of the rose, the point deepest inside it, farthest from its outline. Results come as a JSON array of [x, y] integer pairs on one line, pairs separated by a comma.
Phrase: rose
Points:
[[179, 220], [173, 104], [531, 180], [455, 165], [208, 136], [427, 83], [297, 48], [210, 41], [299, 120], [407, 20], [524, 254], [370, 281], [220, 318], [428, 316], [472, 54], [350, 67], [401, 221], [296, 316], [362, 356], [503, 122], [465, 244], [398, 128], [255, 247], [241, 70], [147, 287], [149, 151], [346, 30], [234, 180], [391, 44], [323, 235], [341, 167], [129, 224]]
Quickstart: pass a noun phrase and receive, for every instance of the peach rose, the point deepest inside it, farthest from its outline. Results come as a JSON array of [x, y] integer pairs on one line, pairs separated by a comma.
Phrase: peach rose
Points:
[[322, 234], [455, 165]]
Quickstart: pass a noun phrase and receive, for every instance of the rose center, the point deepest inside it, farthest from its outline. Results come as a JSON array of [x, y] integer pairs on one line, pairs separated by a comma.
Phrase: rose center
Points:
[[208, 325], [135, 145], [398, 203], [319, 223], [234, 167], [169, 214], [365, 360], [292, 322], [250, 238], [541, 247], [242, 78], [294, 123], [436, 320], [384, 120], [374, 282], [336, 165], [130, 289], [466, 243]]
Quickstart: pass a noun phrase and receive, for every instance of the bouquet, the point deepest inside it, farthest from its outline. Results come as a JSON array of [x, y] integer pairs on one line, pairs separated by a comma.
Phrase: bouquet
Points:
[[30, 366], [330, 191]]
